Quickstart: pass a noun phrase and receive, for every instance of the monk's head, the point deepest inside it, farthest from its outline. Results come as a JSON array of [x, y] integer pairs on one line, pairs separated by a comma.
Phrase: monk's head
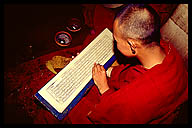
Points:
[[135, 26]]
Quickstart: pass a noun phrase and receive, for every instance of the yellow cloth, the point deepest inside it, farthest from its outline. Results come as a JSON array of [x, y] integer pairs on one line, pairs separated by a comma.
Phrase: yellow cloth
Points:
[[57, 62]]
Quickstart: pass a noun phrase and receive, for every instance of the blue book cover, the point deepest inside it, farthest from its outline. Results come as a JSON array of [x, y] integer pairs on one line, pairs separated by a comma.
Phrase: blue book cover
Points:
[[62, 115]]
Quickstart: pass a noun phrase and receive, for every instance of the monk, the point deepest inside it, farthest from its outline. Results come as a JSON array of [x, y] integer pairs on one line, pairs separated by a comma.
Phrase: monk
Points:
[[146, 93]]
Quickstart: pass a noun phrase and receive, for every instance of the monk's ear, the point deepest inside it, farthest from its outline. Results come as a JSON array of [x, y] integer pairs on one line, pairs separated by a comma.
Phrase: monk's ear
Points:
[[134, 43]]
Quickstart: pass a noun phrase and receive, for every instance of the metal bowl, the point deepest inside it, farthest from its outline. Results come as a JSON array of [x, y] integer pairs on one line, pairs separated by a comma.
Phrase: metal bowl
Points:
[[63, 38], [74, 25]]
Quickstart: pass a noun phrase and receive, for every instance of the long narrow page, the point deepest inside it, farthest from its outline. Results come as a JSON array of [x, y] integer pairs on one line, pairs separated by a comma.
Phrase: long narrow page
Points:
[[60, 91]]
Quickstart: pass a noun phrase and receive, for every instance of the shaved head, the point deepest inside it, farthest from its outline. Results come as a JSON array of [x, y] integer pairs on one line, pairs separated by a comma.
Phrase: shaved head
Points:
[[140, 22]]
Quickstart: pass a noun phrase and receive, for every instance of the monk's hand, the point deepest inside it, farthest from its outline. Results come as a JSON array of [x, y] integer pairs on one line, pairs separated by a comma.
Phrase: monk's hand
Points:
[[99, 77]]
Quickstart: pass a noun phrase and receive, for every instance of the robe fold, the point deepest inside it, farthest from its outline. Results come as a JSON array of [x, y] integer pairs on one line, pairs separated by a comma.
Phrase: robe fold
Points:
[[137, 95]]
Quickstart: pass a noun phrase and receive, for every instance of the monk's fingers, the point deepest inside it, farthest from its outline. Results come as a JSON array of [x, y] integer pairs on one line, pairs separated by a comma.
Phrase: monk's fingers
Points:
[[102, 69], [94, 69], [99, 68]]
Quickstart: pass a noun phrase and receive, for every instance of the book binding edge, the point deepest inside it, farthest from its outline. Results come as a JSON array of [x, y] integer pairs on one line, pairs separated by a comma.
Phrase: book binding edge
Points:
[[62, 115]]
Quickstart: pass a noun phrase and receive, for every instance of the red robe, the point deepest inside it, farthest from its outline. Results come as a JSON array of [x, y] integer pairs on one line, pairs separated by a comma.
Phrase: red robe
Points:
[[137, 95]]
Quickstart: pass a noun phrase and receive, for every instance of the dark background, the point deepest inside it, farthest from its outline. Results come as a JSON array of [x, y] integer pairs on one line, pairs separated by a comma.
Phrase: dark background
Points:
[[29, 30]]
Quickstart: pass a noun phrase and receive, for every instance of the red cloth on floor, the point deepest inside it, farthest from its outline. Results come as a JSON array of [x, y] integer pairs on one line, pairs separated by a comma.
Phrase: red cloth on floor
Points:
[[141, 96], [24, 81]]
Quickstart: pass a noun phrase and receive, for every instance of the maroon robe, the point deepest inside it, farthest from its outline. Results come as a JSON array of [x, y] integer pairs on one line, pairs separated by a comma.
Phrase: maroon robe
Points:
[[137, 95]]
